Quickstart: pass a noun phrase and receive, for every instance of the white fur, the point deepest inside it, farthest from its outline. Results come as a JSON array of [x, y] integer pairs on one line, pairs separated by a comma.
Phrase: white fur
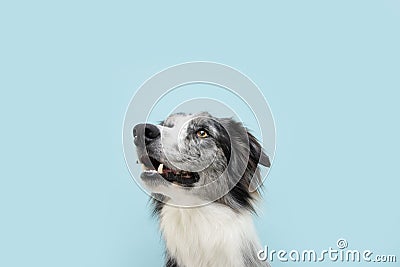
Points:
[[208, 236]]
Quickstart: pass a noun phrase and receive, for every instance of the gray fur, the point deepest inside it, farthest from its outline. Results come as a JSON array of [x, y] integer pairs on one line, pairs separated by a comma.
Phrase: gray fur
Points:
[[226, 163], [180, 149]]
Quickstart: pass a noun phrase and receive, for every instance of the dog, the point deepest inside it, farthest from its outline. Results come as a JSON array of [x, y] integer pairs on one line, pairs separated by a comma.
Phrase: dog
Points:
[[203, 173]]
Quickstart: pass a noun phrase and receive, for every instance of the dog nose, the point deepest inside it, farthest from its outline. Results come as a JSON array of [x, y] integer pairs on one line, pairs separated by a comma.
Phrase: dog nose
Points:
[[144, 134]]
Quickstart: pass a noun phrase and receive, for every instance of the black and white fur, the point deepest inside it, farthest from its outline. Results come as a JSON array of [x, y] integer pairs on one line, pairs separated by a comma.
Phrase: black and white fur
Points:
[[201, 171]]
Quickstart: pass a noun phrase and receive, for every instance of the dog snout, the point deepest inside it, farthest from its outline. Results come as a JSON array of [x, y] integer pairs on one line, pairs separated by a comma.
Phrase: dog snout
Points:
[[144, 134]]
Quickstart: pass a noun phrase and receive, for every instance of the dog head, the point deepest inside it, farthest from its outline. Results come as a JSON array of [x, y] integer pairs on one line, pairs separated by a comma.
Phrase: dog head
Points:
[[193, 159]]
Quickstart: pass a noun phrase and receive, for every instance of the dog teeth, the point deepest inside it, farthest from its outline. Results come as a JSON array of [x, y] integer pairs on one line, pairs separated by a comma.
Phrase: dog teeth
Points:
[[160, 168]]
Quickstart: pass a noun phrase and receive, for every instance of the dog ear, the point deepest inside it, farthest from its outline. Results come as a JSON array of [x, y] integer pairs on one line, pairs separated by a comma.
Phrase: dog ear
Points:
[[257, 156], [257, 151], [264, 160]]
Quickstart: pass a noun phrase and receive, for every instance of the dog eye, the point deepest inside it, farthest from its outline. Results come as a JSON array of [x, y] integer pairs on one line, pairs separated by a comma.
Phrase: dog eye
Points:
[[202, 133]]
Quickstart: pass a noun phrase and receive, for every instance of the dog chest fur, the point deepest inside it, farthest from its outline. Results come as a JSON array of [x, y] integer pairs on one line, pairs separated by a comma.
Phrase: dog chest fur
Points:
[[212, 235]]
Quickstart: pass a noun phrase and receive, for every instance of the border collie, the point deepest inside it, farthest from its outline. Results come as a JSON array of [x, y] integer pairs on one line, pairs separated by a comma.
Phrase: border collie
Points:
[[203, 175]]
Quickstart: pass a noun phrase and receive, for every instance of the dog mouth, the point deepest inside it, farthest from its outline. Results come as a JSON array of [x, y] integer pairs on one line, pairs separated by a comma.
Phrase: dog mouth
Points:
[[152, 166]]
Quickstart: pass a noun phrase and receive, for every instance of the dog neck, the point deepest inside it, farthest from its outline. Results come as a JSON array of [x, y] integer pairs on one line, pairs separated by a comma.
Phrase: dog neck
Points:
[[212, 235]]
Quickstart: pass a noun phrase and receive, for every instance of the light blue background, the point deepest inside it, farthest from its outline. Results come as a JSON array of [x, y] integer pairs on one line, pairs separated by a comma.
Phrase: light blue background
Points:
[[329, 69]]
